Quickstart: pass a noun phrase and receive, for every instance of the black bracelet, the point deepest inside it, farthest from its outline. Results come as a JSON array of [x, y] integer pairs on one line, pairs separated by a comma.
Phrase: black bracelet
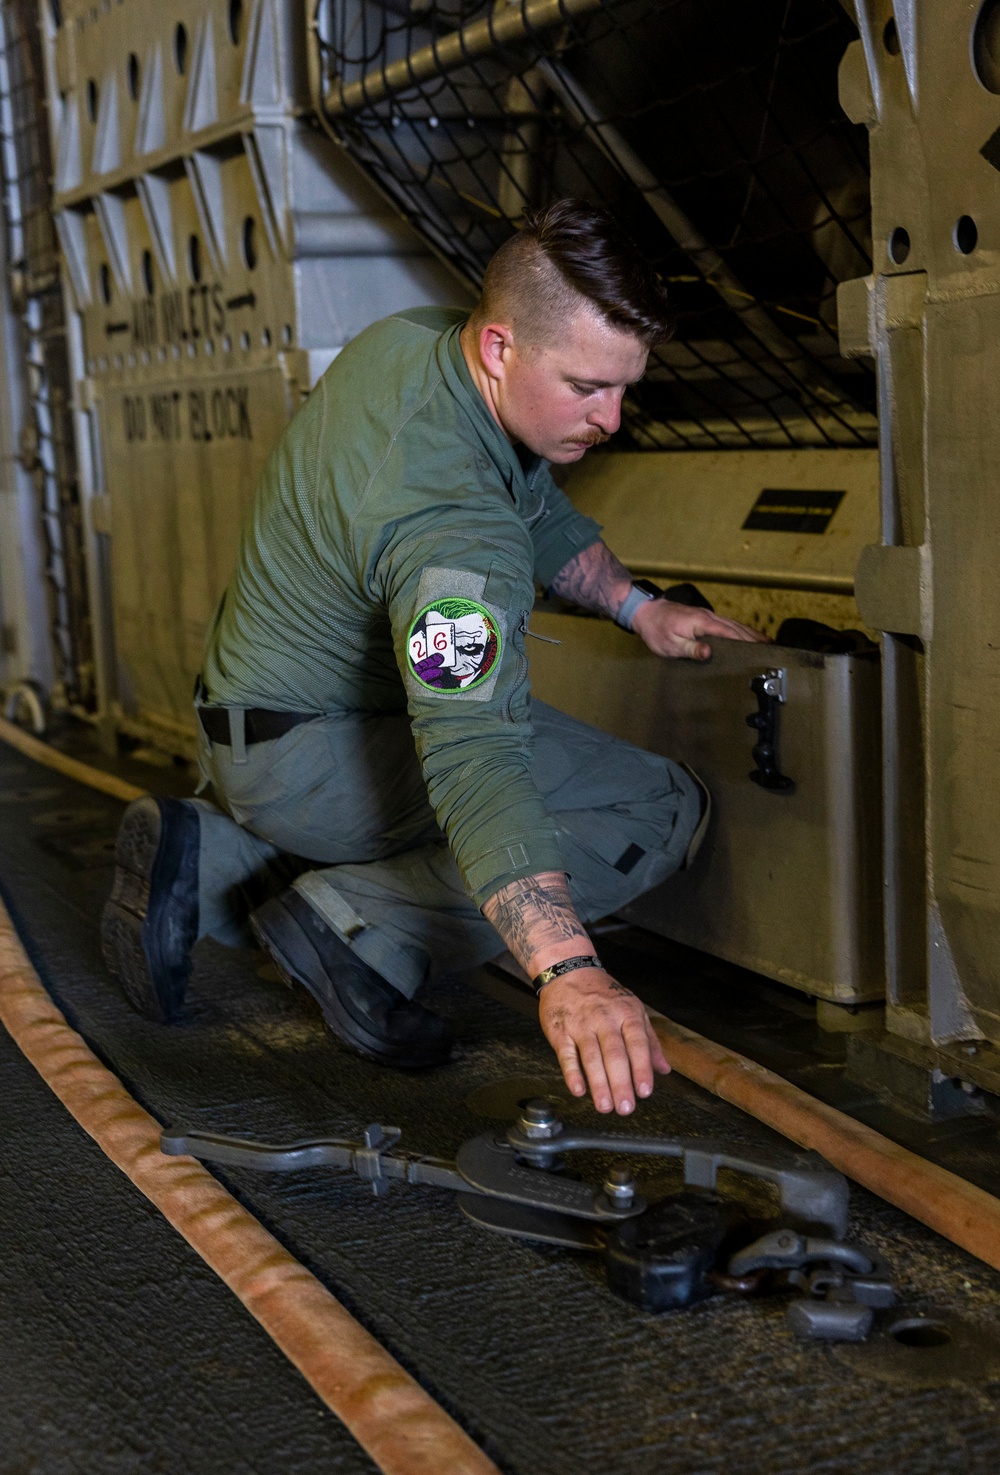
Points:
[[568, 965]]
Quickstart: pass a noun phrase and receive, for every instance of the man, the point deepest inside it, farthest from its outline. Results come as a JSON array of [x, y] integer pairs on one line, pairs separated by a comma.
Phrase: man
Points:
[[364, 702]]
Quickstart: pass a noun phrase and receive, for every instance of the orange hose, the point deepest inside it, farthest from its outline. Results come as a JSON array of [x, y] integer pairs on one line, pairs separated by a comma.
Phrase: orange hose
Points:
[[390, 1415], [966, 1215], [944, 1202], [41, 752]]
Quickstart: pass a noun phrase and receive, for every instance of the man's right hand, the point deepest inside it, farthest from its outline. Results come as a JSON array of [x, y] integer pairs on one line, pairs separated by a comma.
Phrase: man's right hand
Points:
[[598, 1029], [603, 1038]]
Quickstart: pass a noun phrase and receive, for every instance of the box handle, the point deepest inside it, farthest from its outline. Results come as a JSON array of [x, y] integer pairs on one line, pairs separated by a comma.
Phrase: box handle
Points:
[[770, 691]]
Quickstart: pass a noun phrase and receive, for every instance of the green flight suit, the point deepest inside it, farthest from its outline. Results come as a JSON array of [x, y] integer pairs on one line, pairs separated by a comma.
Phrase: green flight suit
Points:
[[384, 582]]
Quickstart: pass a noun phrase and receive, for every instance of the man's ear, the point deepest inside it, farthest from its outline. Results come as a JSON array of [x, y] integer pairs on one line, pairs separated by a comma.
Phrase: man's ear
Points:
[[496, 342]]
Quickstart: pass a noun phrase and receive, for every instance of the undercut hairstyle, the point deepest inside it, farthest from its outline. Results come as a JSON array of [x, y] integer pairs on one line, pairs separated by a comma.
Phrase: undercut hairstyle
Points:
[[569, 251]]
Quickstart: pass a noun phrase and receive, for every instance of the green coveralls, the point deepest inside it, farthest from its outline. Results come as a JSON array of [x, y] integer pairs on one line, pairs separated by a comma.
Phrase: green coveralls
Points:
[[385, 580]]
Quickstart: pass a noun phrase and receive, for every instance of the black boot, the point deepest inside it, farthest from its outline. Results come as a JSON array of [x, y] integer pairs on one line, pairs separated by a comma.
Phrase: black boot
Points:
[[150, 922], [364, 1011]]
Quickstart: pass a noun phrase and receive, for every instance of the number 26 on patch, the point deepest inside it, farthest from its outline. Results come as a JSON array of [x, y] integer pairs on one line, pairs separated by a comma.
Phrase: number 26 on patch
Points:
[[436, 639]]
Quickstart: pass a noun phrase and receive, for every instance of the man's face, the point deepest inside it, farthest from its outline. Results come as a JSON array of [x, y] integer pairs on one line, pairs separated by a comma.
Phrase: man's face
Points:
[[560, 398]]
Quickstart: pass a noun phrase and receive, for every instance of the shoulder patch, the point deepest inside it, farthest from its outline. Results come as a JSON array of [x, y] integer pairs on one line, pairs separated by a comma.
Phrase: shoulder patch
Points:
[[453, 644]]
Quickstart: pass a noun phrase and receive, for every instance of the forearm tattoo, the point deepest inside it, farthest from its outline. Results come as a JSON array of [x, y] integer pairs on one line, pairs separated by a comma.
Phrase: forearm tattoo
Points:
[[594, 580], [534, 914]]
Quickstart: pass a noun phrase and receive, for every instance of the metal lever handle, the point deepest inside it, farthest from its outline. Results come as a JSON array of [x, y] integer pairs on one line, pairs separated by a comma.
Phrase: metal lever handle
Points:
[[769, 689], [813, 1195], [372, 1159], [236, 1152]]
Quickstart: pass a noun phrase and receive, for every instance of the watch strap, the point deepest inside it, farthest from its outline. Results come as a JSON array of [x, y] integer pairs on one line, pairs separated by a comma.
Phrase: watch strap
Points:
[[568, 965], [640, 593]]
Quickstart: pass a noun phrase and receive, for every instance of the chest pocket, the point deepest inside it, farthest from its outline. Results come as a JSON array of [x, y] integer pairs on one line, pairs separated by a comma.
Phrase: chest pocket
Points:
[[501, 586], [505, 591]]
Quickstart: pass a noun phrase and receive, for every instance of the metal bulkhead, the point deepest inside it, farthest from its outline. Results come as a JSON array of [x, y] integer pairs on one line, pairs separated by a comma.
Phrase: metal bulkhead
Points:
[[220, 252], [925, 78]]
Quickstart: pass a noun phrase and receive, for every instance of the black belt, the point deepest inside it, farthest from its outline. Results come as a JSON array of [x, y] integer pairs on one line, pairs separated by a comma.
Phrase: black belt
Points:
[[260, 726]]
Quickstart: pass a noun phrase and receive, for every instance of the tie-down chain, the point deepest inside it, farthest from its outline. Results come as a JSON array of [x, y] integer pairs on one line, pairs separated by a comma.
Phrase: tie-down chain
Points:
[[662, 1255]]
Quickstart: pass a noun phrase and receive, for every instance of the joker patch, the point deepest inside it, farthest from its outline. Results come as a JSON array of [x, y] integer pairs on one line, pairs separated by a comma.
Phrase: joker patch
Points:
[[453, 644]]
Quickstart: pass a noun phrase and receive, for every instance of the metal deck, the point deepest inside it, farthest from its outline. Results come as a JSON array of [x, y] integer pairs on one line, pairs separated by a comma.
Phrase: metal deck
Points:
[[123, 1353]]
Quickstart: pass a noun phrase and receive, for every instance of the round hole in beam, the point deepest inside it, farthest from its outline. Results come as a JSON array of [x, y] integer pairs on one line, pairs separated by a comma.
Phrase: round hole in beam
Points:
[[965, 235], [899, 245], [248, 241]]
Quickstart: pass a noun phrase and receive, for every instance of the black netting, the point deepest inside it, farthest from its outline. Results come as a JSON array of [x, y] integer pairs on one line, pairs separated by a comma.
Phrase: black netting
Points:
[[711, 127], [47, 446]]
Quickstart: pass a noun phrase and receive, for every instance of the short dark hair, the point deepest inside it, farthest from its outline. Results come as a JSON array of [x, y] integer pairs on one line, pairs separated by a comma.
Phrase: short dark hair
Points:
[[574, 249]]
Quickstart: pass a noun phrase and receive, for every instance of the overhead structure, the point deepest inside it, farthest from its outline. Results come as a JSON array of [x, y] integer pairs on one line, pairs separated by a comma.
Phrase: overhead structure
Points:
[[713, 131]]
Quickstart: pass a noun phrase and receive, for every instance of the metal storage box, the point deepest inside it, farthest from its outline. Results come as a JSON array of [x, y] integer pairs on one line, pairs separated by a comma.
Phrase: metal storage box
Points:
[[787, 883]]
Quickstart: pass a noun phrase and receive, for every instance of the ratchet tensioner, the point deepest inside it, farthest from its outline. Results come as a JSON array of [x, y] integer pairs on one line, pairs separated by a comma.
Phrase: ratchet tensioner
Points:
[[661, 1256]]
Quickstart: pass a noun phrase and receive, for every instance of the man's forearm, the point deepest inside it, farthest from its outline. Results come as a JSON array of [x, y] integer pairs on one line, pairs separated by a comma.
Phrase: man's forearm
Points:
[[598, 1029], [594, 579], [537, 920]]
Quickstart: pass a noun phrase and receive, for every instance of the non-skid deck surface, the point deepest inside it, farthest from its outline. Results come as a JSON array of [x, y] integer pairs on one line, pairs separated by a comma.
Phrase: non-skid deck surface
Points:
[[525, 1346]]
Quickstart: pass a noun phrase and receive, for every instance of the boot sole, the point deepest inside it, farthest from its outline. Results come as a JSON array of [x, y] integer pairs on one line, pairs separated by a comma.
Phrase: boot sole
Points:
[[147, 927], [280, 935]]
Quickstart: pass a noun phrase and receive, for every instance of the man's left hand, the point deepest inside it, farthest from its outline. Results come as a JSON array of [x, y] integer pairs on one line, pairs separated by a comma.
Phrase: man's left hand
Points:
[[676, 630]]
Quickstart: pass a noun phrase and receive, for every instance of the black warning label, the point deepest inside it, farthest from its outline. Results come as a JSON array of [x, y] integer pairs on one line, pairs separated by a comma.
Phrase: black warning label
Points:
[[196, 414], [782, 511]]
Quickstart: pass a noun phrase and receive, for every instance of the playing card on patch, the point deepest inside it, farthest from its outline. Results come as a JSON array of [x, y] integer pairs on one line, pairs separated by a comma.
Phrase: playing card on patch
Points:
[[437, 638]]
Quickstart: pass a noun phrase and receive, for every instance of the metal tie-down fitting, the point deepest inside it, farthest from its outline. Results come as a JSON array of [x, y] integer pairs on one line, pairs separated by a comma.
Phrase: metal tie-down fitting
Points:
[[661, 1256], [619, 1186], [540, 1122], [539, 1119]]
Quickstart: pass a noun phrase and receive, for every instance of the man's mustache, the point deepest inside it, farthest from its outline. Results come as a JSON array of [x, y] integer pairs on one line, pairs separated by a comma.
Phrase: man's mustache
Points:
[[592, 438]]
